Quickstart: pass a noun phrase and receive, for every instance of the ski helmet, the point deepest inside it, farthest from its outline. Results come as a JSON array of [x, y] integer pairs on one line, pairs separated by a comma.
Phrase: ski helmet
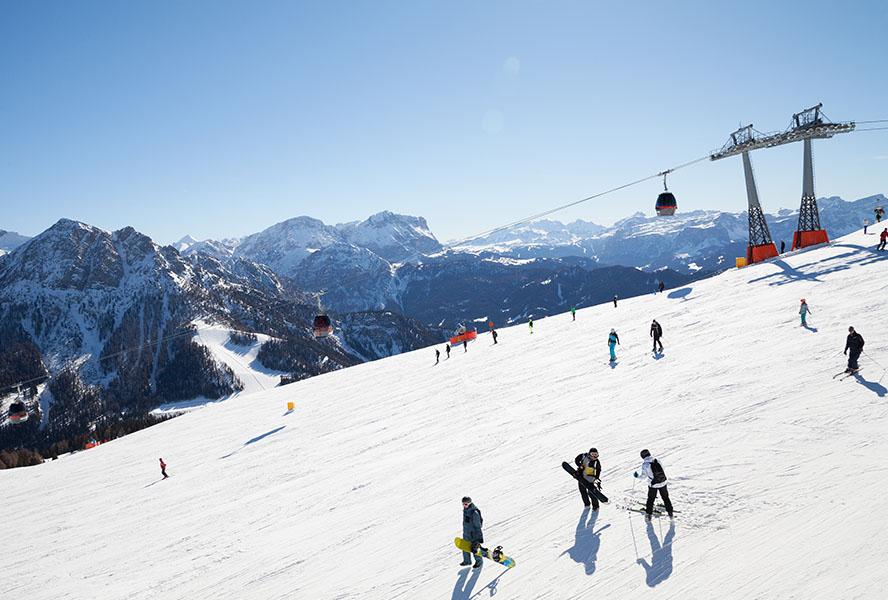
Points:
[[645, 453], [593, 451], [466, 500], [803, 300], [851, 329]]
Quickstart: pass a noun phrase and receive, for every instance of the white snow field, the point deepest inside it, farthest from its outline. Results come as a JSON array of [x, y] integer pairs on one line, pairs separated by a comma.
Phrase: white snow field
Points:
[[780, 471]]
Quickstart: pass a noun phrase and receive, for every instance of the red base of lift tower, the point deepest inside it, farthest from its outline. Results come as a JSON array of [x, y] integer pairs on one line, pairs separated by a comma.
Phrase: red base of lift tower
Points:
[[756, 254], [803, 239]]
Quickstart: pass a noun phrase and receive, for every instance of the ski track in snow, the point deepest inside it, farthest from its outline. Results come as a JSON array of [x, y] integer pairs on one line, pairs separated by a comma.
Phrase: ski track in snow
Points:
[[356, 493]]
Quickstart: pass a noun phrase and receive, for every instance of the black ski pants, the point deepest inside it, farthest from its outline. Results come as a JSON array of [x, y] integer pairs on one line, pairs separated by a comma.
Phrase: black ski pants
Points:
[[853, 355], [588, 496], [657, 342], [652, 495]]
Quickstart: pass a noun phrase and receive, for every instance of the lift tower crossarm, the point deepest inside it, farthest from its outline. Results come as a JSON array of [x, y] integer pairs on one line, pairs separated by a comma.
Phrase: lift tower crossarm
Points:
[[806, 125]]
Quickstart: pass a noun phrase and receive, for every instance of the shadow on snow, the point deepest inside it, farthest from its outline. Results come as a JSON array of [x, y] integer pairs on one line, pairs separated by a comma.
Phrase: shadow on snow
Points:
[[586, 542]]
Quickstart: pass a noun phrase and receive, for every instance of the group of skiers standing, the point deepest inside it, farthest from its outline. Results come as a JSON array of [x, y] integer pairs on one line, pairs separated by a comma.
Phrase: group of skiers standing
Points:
[[589, 469]]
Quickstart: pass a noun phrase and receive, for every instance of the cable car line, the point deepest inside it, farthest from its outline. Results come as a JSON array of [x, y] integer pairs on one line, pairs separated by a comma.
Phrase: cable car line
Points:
[[450, 246]]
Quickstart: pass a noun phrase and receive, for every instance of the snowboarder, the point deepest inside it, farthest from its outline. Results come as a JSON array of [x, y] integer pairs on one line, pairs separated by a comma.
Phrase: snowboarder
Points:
[[804, 310], [471, 531], [465, 345], [662, 286], [437, 356], [854, 343], [447, 348], [573, 312], [782, 246], [615, 300], [612, 340], [589, 467], [530, 322], [493, 332], [652, 470], [883, 237], [163, 469], [656, 333]]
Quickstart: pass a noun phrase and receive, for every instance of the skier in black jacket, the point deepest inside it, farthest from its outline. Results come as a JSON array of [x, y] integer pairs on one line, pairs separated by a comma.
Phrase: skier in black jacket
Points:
[[656, 333], [589, 469], [854, 343]]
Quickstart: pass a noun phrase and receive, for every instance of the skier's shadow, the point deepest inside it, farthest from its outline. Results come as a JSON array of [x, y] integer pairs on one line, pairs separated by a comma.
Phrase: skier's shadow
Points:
[[587, 542], [809, 328], [873, 386], [465, 584], [682, 293], [661, 556]]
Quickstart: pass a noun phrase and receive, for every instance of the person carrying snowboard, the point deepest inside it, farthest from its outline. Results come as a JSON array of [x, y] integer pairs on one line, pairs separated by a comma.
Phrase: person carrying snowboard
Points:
[[589, 468], [163, 469], [854, 343], [804, 310], [652, 470], [612, 340], [883, 237], [656, 333], [471, 531]]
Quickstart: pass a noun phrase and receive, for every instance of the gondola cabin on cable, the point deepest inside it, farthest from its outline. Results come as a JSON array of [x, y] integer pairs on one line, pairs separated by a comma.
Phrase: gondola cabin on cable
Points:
[[322, 326], [463, 335], [18, 412], [666, 203]]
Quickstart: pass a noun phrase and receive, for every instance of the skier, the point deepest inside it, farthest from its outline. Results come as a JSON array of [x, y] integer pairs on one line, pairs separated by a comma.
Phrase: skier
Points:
[[163, 469], [656, 333], [447, 348], [493, 332], [804, 310], [883, 237], [878, 210], [855, 344], [465, 345], [589, 467], [662, 286], [612, 340], [471, 531], [573, 312], [865, 225], [782, 246], [530, 322], [437, 356], [652, 470], [615, 300]]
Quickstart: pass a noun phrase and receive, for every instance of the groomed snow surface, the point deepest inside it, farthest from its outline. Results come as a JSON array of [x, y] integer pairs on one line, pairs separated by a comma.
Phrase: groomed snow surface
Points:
[[779, 470]]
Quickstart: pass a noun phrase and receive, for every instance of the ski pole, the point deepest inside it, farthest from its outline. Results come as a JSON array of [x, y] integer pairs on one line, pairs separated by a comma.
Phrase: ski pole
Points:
[[874, 360], [632, 529]]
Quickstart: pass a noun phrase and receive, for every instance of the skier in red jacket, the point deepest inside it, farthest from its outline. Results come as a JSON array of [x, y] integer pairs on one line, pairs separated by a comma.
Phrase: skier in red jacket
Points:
[[163, 469]]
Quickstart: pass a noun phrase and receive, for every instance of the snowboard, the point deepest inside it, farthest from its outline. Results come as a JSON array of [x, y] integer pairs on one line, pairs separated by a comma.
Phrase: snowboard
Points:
[[591, 488], [466, 546]]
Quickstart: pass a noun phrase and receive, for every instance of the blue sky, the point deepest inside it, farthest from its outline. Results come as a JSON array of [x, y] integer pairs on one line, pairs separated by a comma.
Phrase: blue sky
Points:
[[219, 119]]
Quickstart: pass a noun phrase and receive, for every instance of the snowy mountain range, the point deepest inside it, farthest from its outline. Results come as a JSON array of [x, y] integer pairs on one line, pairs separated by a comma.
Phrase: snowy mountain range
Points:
[[118, 314], [773, 465], [394, 262]]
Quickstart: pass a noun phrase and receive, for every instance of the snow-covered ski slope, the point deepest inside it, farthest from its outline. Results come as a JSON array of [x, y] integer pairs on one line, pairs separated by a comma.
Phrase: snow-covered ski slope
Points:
[[779, 470]]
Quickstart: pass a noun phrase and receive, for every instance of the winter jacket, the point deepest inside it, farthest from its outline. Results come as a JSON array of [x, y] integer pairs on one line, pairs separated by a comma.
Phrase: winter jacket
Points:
[[613, 338], [472, 524], [884, 235], [854, 342], [656, 331], [590, 468], [647, 473], [803, 309]]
